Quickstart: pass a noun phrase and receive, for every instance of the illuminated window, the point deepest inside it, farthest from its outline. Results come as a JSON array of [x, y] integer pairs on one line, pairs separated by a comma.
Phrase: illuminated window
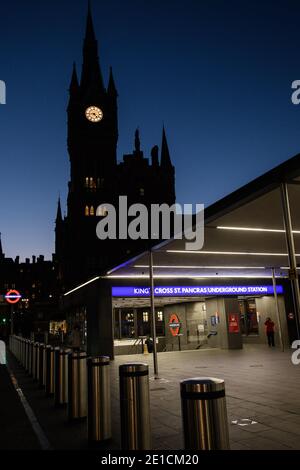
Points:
[[129, 317], [102, 211], [92, 210], [142, 192], [100, 182], [87, 211], [160, 316], [145, 317], [90, 183]]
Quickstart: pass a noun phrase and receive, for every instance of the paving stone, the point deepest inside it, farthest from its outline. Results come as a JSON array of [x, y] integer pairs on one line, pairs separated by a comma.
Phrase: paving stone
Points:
[[266, 394]]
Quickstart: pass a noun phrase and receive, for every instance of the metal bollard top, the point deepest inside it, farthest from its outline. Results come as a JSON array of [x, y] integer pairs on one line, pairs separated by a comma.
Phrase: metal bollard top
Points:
[[65, 350], [202, 387], [133, 369], [78, 355], [98, 361], [62, 350]]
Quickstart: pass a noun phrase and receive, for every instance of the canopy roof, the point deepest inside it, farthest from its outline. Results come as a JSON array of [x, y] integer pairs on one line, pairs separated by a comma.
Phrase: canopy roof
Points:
[[244, 235]]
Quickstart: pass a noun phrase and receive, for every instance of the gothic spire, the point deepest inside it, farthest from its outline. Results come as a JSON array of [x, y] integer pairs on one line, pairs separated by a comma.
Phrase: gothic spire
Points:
[[74, 85], [137, 142], [165, 159], [91, 73], [111, 89], [58, 214], [90, 32]]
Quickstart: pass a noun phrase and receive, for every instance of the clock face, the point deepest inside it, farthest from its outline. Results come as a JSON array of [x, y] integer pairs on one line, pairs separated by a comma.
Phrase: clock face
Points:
[[94, 114]]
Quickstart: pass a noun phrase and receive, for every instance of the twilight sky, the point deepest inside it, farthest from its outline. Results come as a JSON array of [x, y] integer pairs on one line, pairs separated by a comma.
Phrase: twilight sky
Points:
[[217, 73]]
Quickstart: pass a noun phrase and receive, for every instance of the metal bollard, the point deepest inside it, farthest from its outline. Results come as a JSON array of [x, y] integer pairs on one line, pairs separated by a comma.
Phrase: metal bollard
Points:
[[18, 348], [40, 374], [44, 366], [38, 360], [35, 360], [30, 355], [204, 414], [99, 409], [77, 386], [61, 376], [49, 370], [135, 406], [25, 353], [21, 351]]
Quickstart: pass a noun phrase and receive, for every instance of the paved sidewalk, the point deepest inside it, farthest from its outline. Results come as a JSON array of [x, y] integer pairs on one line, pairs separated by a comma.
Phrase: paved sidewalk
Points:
[[15, 429], [262, 387]]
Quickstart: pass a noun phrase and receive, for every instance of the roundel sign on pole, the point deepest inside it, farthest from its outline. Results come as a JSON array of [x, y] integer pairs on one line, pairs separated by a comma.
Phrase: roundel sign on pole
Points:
[[174, 324], [13, 296]]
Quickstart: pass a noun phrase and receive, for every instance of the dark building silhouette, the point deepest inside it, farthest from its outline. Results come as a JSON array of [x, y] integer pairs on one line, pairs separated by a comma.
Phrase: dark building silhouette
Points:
[[36, 280], [97, 178]]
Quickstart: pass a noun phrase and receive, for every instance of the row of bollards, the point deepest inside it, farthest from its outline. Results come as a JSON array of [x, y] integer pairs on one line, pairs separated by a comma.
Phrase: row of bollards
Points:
[[73, 380], [83, 385]]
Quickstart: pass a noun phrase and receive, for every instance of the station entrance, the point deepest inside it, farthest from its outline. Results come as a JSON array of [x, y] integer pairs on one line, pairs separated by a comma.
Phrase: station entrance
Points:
[[199, 322]]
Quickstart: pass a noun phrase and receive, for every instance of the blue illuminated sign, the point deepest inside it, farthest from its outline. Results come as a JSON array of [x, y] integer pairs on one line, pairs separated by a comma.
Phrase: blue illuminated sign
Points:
[[194, 291]]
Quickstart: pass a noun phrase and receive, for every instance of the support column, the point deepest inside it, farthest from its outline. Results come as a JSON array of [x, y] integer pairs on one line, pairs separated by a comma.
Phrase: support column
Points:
[[277, 310], [155, 363], [100, 320], [293, 275], [120, 323]]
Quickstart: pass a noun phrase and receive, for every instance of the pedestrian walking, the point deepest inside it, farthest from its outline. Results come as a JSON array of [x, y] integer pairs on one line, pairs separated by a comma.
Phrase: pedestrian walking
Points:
[[270, 326]]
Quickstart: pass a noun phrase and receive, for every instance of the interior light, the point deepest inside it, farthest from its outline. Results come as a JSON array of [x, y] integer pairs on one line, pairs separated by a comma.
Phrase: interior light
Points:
[[81, 285], [184, 276], [198, 267], [254, 229], [243, 253]]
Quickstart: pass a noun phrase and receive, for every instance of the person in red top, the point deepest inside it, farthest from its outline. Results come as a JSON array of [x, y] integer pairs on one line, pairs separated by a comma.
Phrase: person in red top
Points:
[[270, 325]]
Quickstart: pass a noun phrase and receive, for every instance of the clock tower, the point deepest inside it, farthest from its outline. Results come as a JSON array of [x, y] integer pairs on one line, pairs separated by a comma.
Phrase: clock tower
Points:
[[95, 175]]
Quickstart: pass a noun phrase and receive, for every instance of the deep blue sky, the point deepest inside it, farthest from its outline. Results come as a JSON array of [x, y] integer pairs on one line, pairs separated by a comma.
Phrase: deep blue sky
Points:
[[218, 73]]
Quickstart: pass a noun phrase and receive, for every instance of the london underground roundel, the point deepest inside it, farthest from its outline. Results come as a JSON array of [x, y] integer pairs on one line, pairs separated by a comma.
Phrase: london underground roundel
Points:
[[174, 324], [13, 296]]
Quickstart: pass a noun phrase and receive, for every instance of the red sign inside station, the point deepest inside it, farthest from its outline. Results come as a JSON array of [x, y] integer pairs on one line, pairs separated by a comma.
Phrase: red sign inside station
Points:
[[174, 324], [233, 323], [13, 296]]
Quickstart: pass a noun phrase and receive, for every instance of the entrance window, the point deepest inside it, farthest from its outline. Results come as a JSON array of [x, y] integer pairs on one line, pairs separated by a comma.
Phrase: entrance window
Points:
[[249, 323], [145, 317], [127, 324], [160, 324], [160, 316]]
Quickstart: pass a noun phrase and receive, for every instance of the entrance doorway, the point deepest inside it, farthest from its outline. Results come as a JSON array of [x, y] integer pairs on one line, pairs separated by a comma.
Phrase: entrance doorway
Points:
[[249, 320], [136, 323]]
